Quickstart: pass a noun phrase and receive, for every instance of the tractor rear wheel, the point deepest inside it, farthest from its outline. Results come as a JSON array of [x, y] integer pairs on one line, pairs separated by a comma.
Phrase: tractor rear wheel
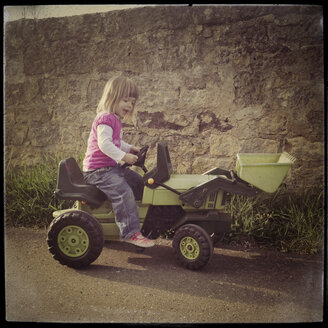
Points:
[[75, 239], [192, 246]]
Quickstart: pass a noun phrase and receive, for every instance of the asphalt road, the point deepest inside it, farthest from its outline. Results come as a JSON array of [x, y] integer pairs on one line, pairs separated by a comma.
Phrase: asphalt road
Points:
[[239, 285]]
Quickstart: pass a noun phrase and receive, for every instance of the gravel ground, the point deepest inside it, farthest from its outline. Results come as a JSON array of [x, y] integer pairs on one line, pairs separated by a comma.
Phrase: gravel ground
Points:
[[238, 285]]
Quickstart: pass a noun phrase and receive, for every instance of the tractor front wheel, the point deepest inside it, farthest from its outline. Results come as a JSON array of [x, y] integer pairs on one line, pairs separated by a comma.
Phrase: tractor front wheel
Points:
[[192, 246], [75, 239]]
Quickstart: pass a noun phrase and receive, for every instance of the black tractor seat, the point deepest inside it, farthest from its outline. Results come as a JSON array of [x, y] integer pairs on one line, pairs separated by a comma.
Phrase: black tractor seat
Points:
[[71, 185]]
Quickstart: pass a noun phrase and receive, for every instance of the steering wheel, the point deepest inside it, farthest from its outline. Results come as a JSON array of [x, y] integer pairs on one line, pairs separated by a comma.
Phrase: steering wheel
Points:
[[141, 159]]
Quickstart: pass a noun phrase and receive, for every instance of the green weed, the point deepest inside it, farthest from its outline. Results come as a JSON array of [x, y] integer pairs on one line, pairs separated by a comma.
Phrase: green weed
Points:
[[289, 223], [29, 194]]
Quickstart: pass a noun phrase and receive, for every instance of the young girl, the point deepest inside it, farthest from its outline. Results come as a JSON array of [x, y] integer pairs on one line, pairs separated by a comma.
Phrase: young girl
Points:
[[106, 148]]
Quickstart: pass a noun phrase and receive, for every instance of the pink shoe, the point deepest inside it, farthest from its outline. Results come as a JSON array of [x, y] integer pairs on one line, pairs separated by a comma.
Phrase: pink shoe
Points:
[[139, 240]]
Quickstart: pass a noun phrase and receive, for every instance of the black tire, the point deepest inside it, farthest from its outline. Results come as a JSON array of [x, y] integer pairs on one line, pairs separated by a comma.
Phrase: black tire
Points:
[[75, 239], [192, 246]]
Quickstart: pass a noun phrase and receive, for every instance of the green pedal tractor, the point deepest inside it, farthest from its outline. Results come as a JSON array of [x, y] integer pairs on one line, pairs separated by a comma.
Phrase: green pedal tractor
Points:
[[190, 206]]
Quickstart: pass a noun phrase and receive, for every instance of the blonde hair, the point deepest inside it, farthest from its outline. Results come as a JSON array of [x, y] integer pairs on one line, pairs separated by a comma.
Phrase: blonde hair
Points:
[[116, 89]]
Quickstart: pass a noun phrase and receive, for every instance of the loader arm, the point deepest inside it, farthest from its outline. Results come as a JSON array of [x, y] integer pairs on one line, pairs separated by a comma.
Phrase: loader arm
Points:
[[229, 183]]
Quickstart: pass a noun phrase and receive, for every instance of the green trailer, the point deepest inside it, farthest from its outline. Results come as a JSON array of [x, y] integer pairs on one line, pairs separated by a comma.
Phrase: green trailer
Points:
[[190, 206]]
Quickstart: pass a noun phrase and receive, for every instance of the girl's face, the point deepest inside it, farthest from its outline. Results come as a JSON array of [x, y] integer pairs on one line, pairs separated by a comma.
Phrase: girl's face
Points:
[[125, 106]]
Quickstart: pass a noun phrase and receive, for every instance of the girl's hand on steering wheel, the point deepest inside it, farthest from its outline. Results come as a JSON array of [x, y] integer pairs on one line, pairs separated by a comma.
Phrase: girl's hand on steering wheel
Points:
[[138, 159], [134, 150], [130, 158]]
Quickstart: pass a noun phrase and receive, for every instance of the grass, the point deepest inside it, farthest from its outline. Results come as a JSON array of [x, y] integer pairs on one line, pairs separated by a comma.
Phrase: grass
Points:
[[288, 223], [29, 194]]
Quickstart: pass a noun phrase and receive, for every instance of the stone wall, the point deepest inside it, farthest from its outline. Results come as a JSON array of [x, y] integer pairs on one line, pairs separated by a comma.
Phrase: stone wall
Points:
[[214, 81]]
